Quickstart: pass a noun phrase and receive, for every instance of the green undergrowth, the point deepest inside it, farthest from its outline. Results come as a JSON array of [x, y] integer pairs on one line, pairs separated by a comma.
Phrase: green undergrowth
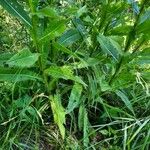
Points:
[[74, 75]]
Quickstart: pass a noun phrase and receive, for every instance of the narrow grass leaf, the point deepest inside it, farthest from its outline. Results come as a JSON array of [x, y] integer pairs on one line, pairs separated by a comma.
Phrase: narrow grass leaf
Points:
[[138, 131], [121, 30], [147, 138]]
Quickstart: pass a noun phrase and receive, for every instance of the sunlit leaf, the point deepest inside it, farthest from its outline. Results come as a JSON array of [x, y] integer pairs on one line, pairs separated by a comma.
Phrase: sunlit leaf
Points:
[[58, 113], [64, 73]]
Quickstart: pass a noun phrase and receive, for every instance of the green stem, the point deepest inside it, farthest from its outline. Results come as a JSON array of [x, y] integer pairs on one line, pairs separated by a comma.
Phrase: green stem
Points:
[[130, 39], [36, 42]]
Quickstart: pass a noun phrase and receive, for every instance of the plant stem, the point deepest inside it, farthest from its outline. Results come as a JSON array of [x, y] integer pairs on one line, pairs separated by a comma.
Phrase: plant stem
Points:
[[130, 39], [37, 44]]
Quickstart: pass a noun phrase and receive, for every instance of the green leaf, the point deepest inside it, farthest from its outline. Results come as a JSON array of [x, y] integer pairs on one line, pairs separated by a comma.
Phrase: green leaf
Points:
[[125, 99], [124, 79], [104, 84], [121, 30], [47, 12], [145, 16], [143, 60], [74, 98], [86, 129], [4, 57], [62, 48], [69, 37], [14, 8], [29, 114], [81, 117], [58, 113], [64, 72], [144, 27], [23, 102], [146, 75], [55, 29], [85, 64], [108, 46], [80, 27], [15, 75], [23, 59], [82, 11], [138, 131]]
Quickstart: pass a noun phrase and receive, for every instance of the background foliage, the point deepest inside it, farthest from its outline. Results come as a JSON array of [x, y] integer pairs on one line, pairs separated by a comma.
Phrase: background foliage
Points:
[[75, 74]]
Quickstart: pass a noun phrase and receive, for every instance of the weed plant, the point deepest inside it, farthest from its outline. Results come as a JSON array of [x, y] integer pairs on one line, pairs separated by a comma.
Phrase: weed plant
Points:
[[81, 80]]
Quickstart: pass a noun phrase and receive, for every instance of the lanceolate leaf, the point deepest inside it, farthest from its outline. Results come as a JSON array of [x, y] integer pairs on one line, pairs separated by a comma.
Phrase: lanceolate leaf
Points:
[[69, 37], [15, 75], [47, 12], [63, 73], [74, 98], [80, 27], [4, 57], [55, 29], [144, 27], [59, 113], [145, 16], [23, 59], [62, 48], [14, 8], [125, 99], [86, 129], [81, 117], [121, 30], [108, 47]]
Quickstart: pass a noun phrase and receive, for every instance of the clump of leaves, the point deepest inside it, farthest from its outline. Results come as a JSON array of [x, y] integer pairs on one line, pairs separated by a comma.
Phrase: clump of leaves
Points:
[[86, 70]]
